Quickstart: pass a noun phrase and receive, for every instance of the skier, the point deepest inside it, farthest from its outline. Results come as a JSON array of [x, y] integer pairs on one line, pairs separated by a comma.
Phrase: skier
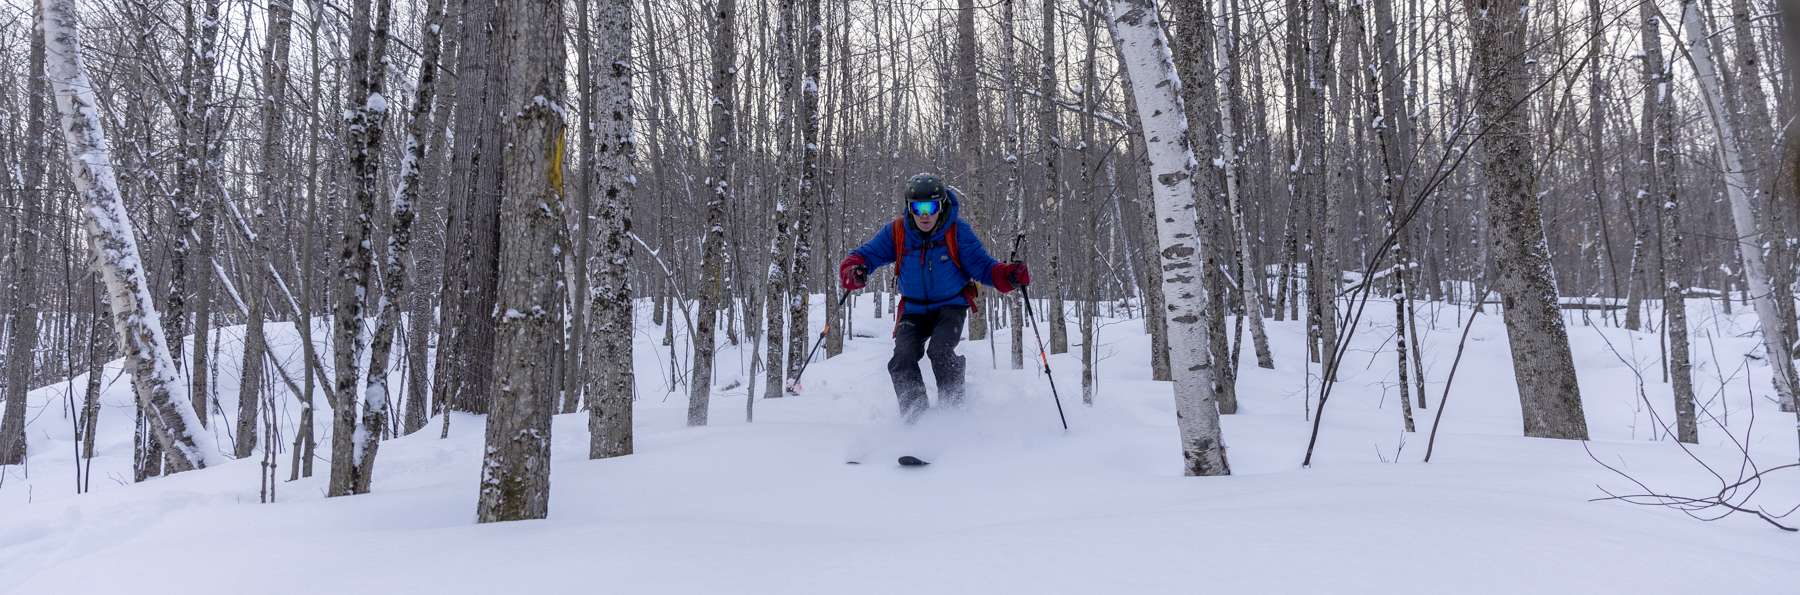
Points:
[[940, 259]]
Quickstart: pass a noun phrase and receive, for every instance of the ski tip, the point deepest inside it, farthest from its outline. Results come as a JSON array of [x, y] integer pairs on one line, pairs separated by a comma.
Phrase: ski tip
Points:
[[912, 461]]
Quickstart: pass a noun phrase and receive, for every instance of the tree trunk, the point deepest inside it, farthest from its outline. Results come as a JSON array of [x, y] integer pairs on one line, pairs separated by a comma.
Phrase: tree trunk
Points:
[[394, 270], [1542, 365], [781, 241], [724, 84], [465, 363], [1322, 271], [1738, 191], [1149, 67], [515, 476], [1014, 109], [135, 318], [610, 378], [26, 296], [1048, 131], [799, 295], [1250, 280], [364, 113]]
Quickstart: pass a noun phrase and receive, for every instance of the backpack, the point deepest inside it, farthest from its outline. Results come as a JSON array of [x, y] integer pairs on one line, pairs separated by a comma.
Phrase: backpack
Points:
[[970, 291]]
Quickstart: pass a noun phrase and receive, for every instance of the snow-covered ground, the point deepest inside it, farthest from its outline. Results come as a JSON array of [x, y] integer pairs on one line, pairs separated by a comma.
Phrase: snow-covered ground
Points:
[[1012, 504]]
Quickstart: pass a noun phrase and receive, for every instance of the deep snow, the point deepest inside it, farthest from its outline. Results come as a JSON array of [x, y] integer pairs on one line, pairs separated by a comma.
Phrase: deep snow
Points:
[[1011, 503]]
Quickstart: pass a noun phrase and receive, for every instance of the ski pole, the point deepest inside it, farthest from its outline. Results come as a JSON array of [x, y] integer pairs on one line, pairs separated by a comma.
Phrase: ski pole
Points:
[[1044, 357], [794, 387]]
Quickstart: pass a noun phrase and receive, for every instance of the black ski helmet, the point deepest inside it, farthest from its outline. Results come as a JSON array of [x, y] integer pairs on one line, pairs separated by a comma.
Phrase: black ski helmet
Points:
[[925, 187]]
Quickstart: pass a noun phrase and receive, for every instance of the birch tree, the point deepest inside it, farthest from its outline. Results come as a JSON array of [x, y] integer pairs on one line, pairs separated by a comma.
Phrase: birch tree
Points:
[[1150, 70], [1250, 282], [781, 242], [364, 113], [135, 318], [810, 198], [376, 406], [1738, 191]]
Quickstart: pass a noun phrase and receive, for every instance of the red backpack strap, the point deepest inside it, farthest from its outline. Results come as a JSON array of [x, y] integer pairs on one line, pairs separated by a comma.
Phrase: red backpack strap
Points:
[[950, 242], [899, 233], [971, 290]]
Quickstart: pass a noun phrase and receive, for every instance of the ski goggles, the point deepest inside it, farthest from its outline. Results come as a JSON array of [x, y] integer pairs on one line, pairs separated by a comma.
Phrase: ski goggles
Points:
[[924, 208]]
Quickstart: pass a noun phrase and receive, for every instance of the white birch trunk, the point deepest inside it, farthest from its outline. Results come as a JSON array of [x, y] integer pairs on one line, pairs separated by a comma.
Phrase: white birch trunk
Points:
[[1253, 299], [1737, 190], [1150, 68], [128, 290]]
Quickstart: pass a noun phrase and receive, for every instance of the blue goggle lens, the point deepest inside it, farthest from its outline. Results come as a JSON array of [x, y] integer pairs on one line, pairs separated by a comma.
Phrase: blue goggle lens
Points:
[[924, 208]]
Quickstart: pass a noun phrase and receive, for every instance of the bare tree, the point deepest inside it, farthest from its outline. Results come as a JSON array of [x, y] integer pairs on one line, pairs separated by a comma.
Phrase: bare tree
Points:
[[810, 198], [610, 377], [274, 117], [365, 111], [1738, 191], [1150, 69], [1542, 365], [26, 297], [724, 81], [134, 313], [515, 477]]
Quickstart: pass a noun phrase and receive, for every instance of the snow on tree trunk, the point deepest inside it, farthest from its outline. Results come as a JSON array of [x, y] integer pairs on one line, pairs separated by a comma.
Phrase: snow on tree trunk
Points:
[[609, 375], [1011, 121], [1549, 396], [1150, 69], [135, 318], [781, 240], [1382, 101], [1323, 274], [364, 113], [394, 270], [724, 85], [809, 199], [515, 474], [1737, 190]]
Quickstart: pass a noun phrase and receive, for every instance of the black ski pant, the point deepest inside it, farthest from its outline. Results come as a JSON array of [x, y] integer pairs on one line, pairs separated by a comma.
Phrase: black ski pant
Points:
[[942, 329]]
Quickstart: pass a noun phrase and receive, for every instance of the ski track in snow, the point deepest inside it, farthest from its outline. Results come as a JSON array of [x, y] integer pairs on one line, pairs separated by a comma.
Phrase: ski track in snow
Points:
[[1010, 504]]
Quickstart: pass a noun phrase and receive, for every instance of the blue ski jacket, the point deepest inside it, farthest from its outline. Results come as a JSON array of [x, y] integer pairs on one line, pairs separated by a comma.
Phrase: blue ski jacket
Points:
[[929, 279]]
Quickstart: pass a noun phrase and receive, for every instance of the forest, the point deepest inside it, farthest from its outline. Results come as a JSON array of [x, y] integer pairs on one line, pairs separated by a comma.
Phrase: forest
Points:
[[303, 232]]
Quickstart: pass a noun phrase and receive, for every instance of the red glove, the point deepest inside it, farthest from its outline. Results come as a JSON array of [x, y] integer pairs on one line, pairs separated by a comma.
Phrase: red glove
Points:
[[1009, 275], [853, 273]]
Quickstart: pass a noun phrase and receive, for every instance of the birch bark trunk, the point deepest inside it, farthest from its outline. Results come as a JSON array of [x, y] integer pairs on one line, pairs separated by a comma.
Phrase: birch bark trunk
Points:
[[135, 318], [1150, 69], [1738, 191]]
